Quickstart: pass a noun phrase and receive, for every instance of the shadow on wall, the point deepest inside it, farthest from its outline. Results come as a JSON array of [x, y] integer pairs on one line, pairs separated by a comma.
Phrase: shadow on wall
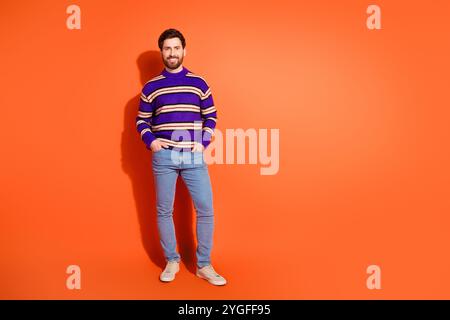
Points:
[[136, 162]]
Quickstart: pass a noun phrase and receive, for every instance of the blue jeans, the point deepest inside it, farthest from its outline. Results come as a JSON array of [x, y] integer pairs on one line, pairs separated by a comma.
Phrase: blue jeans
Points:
[[167, 164]]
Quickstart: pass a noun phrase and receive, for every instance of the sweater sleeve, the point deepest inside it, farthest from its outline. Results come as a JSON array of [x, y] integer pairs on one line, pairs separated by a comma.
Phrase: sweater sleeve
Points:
[[209, 117], [143, 119]]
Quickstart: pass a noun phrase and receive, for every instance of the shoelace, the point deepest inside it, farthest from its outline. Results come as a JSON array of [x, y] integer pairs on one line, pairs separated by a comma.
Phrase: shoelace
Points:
[[213, 272]]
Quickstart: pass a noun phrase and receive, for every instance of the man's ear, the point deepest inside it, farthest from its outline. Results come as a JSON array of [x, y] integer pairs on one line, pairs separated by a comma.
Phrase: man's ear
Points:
[[184, 52]]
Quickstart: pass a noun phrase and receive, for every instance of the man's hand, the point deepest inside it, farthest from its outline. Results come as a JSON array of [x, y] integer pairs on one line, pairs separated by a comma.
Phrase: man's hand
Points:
[[198, 147], [156, 145]]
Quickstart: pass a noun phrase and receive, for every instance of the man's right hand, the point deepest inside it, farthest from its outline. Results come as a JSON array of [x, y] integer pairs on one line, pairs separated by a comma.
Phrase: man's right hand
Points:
[[156, 145]]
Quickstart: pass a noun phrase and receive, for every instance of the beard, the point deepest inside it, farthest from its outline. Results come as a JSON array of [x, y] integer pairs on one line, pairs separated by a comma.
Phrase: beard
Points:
[[175, 64]]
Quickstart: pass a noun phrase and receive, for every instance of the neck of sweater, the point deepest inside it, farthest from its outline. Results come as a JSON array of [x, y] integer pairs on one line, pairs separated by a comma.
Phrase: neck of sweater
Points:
[[174, 74]]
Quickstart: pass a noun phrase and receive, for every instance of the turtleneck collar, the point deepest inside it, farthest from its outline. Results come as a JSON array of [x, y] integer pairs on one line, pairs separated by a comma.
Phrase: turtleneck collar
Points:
[[176, 74]]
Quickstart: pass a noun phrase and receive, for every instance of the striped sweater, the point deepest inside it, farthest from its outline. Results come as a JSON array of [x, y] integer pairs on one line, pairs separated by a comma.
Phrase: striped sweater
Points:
[[177, 108]]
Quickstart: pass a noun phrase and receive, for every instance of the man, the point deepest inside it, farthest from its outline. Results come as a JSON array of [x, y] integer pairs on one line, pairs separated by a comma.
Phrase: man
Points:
[[176, 121]]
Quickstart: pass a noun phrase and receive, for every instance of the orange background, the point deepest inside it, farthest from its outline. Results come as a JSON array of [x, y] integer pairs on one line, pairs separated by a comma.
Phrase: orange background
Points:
[[364, 149]]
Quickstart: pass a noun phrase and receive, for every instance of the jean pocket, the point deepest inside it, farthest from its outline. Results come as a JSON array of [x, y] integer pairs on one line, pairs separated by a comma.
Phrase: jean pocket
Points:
[[160, 150]]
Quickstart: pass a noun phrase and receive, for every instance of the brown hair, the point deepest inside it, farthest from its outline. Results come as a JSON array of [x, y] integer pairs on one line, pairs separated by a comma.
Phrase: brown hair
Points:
[[169, 34]]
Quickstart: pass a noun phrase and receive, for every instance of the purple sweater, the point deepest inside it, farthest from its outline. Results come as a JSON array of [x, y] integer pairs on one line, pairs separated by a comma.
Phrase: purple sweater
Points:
[[177, 108]]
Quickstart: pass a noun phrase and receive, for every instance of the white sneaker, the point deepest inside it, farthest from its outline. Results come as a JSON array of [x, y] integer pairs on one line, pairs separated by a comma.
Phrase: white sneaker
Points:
[[169, 272], [208, 273]]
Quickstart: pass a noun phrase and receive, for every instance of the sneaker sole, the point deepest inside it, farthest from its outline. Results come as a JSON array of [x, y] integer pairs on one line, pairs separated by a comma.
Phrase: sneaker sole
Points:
[[211, 281], [167, 280]]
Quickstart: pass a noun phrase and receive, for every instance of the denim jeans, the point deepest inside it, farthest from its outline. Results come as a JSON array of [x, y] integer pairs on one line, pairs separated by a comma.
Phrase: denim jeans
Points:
[[167, 165]]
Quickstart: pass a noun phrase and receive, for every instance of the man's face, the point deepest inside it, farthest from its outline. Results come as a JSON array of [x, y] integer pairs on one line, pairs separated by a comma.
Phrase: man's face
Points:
[[172, 53]]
